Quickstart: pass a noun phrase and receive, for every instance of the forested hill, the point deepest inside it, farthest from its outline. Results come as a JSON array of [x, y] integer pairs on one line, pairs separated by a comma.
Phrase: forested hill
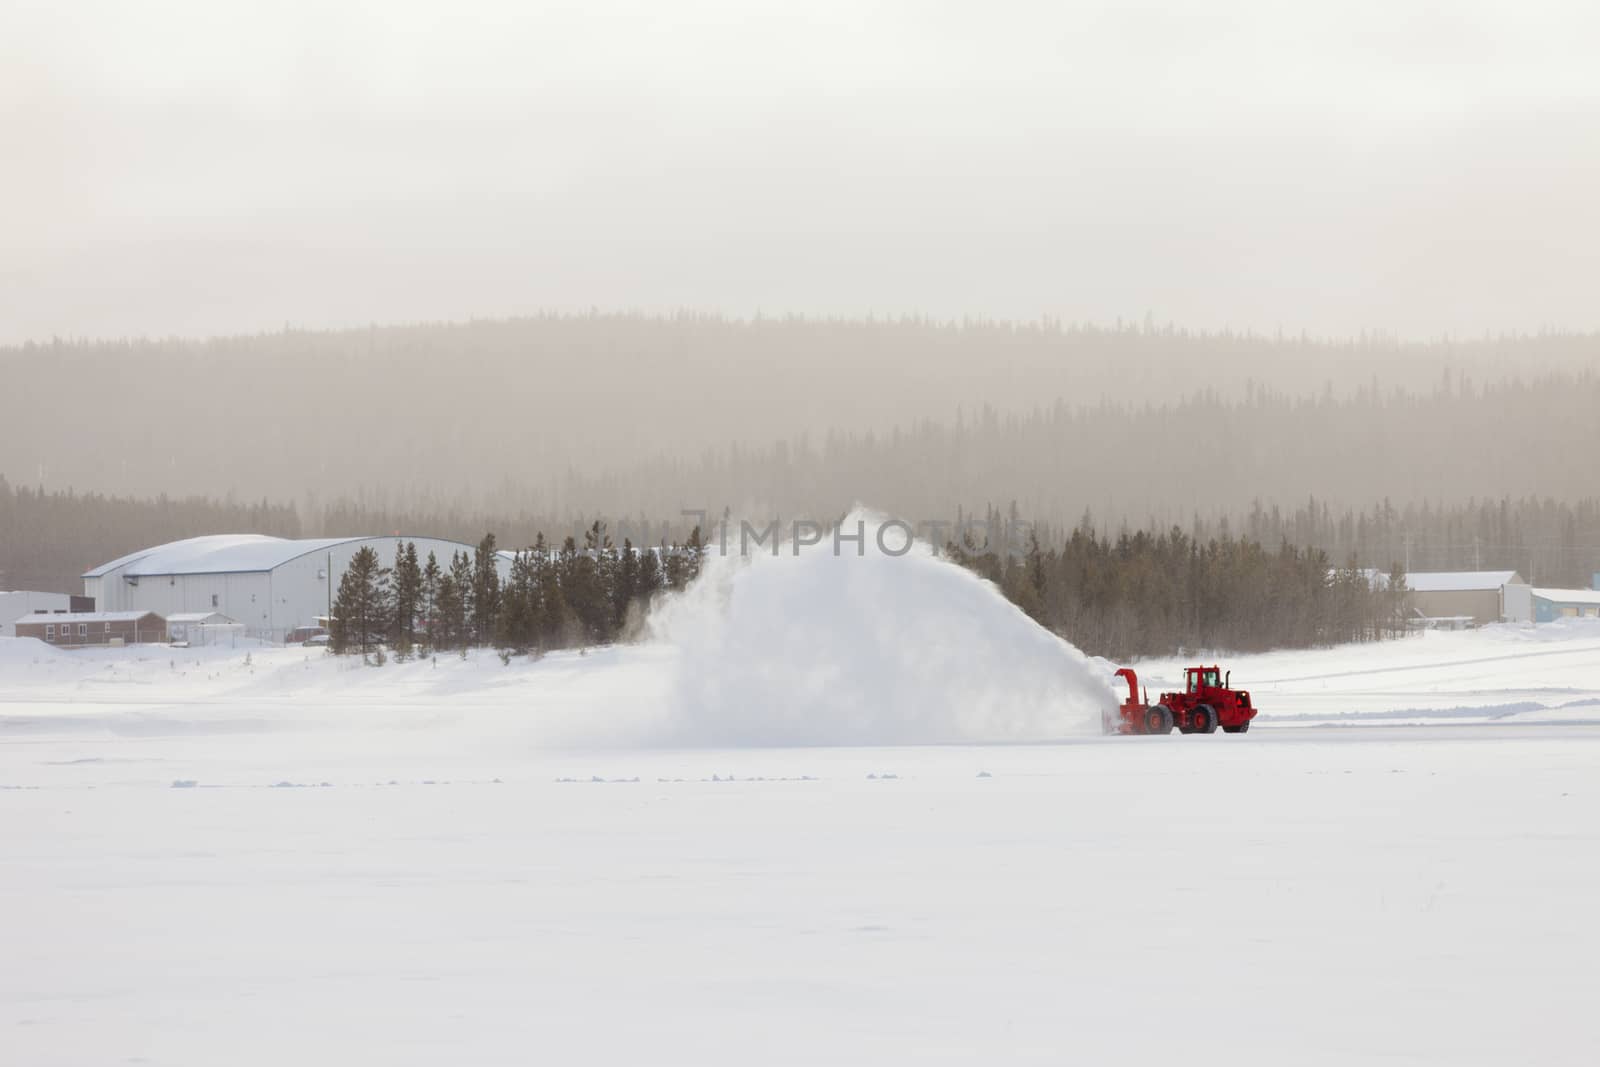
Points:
[[606, 413], [1162, 464]]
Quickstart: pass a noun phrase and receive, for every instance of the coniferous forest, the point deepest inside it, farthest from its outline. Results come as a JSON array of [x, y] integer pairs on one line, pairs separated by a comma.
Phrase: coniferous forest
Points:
[[576, 595], [1154, 593], [1267, 578], [1139, 595]]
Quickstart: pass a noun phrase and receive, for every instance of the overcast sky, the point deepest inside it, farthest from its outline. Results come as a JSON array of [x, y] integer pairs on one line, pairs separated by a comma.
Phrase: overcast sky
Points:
[[209, 166]]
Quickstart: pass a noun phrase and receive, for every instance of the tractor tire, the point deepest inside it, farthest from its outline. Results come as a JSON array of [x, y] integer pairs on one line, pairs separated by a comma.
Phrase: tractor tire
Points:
[[1203, 719], [1158, 720], [1242, 728]]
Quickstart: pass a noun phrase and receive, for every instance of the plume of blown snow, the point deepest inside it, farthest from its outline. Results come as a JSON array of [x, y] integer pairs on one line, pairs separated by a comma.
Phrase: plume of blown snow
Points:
[[825, 648]]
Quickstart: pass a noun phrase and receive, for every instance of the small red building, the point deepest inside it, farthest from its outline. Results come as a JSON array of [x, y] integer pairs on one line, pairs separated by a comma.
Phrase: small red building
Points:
[[95, 628]]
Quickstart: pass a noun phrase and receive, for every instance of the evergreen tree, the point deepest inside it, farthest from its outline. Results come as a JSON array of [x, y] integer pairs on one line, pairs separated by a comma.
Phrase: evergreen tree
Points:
[[461, 607], [674, 570], [1397, 600], [1036, 567], [445, 632], [429, 598], [485, 591], [1025, 581], [555, 619], [583, 584], [407, 582], [694, 555], [649, 574], [363, 608], [625, 585], [515, 627], [539, 572]]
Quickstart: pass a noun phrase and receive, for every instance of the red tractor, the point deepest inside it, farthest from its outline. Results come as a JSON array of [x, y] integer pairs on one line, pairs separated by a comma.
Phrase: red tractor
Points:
[[1206, 703]]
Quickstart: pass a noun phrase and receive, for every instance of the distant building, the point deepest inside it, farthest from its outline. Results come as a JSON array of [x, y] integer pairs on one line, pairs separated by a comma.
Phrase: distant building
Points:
[[202, 628], [1552, 604], [1467, 597], [95, 628], [15, 605], [269, 585]]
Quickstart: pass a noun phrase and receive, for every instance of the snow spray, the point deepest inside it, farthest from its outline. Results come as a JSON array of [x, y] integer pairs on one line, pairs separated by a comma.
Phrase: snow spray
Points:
[[812, 646]]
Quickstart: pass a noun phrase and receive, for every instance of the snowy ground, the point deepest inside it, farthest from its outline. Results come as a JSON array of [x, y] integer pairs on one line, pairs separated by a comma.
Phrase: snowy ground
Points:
[[298, 860], [1508, 673]]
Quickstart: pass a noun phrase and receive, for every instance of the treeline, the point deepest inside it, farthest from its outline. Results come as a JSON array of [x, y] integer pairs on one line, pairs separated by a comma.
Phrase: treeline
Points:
[[1148, 593], [48, 539], [571, 596], [1162, 463], [1547, 542], [1142, 593]]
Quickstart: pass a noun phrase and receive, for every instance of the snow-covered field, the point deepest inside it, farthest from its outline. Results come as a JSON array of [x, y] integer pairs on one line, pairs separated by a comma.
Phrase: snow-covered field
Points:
[[1506, 673], [294, 859]]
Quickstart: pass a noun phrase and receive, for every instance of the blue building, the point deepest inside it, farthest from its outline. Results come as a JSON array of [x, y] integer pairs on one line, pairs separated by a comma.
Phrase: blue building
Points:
[[1552, 604]]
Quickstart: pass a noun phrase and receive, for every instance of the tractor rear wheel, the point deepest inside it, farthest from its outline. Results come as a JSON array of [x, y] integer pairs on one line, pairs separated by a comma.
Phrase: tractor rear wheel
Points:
[[1242, 728], [1203, 719], [1158, 720]]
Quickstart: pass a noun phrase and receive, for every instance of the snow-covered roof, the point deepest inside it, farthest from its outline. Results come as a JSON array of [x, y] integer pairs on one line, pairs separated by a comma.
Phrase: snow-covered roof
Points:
[[232, 554], [1569, 596], [191, 617], [218, 554], [1459, 581], [84, 616]]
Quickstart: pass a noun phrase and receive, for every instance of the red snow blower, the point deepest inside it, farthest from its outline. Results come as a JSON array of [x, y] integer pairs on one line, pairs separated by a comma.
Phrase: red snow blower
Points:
[[1206, 703]]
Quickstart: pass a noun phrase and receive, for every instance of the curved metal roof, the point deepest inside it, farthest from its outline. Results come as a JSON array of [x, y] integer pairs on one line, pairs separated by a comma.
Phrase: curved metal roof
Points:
[[219, 554]]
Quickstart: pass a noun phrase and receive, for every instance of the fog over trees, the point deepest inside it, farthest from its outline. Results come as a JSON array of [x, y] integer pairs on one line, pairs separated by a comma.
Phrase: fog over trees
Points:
[[563, 417]]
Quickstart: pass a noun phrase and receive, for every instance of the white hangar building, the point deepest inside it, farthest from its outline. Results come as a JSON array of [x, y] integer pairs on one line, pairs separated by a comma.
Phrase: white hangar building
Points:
[[269, 585]]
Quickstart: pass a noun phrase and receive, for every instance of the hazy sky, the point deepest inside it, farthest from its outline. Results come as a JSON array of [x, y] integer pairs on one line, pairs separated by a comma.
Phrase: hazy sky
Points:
[[209, 166]]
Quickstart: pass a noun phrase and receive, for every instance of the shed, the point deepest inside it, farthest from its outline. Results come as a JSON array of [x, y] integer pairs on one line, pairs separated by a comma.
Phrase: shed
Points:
[[1552, 604], [203, 628], [1476, 595]]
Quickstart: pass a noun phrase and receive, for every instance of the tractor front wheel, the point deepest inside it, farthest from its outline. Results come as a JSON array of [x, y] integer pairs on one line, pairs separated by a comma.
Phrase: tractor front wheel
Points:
[[1203, 719], [1158, 720]]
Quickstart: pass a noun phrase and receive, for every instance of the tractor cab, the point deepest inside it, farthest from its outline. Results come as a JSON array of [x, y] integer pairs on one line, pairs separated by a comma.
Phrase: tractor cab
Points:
[[1202, 678]]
